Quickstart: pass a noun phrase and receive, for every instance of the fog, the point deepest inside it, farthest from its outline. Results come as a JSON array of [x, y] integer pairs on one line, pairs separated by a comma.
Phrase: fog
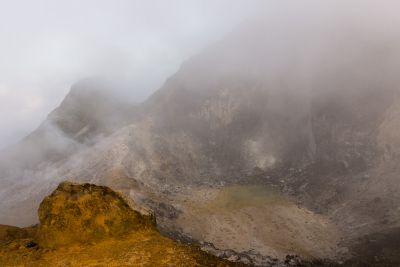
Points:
[[47, 46], [171, 101]]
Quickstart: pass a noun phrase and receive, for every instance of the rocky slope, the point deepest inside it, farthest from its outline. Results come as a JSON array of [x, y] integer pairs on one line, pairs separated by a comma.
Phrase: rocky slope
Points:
[[85, 225], [249, 114], [9, 233], [86, 115]]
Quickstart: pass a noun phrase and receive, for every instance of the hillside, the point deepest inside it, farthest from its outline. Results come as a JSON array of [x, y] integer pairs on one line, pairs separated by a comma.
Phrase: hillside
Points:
[[310, 146], [86, 115], [86, 225]]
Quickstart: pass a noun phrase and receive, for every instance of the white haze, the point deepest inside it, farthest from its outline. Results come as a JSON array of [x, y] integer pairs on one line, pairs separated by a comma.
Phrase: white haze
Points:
[[46, 46]]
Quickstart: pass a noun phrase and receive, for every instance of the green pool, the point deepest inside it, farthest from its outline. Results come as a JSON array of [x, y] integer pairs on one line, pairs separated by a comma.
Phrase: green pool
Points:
[[237, 197]]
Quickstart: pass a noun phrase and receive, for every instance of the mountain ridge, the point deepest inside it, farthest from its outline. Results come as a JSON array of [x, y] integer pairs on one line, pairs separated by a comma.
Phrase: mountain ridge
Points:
[[326, 140]]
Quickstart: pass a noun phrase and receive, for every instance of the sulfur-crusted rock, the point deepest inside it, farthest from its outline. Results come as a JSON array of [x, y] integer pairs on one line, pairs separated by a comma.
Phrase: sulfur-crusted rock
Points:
[[87, 225], [81, 212], [8, 233]]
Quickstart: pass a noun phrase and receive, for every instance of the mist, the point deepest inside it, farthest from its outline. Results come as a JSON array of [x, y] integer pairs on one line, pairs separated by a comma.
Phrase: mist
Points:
[[174, 103], [46, 47]]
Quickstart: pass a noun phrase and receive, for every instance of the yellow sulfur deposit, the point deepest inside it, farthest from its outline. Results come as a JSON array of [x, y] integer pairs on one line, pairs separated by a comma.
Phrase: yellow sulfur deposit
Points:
[[87, 225]]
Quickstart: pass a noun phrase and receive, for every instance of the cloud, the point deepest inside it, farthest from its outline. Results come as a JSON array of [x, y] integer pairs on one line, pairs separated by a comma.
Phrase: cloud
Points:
[[47, 46]]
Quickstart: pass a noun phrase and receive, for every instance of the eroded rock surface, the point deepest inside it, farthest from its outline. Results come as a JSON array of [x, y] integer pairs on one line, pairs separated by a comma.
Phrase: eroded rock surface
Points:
[[328, 142], [83, 225], [9, 233], [81, 212]]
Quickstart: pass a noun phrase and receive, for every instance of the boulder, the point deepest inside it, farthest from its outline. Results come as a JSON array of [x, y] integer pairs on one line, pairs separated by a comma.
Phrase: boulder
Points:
[[80, 213]]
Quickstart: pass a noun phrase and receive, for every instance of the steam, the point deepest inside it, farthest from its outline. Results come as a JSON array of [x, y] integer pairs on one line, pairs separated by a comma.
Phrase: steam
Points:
[[46, 47], [343, 47]]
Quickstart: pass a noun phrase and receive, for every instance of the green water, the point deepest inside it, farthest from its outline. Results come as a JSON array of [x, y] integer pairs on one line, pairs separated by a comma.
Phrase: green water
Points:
[[237, 197]]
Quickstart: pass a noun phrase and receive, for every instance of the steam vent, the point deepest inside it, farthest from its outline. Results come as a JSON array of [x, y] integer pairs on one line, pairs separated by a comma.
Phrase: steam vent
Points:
[[83, 224]]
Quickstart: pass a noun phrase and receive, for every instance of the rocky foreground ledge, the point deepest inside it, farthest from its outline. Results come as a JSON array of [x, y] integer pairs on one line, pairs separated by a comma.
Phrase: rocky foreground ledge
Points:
[[83, 224], [87, 225]]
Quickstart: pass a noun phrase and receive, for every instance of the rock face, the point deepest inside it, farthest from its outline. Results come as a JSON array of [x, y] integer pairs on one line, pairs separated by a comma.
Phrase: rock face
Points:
[[83, 225], [245, 112], [80, 212], [9, 233], [86, 115]]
